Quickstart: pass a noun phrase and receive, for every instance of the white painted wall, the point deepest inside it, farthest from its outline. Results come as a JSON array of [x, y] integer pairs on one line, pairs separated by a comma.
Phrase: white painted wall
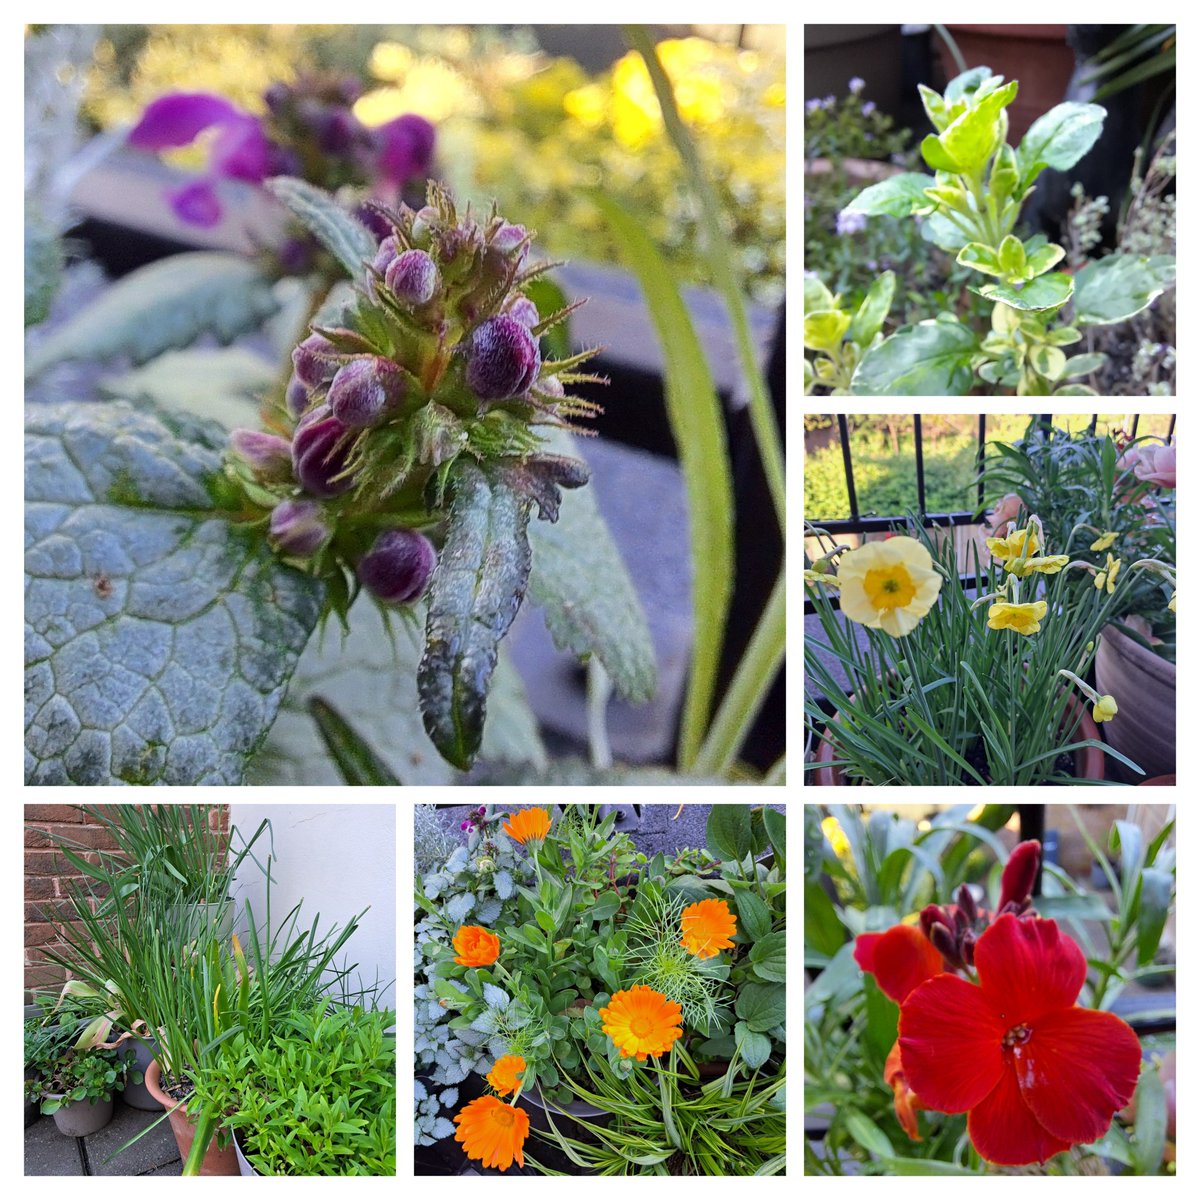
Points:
[[337, 859]]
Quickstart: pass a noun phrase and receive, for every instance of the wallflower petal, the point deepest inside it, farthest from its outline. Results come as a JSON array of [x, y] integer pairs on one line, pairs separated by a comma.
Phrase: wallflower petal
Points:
[[1005, 1131], [899, 959], [196, 203], [241, 150], [950, 1044], [177, 119], [1076, 1070], [1027, 968], [405, 148]]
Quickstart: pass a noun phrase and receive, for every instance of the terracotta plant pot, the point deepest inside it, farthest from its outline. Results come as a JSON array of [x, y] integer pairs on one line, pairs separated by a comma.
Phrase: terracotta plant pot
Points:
[[1089, 761], [216, 1162], [82, 1117], [1159, 781], [1143, 685]]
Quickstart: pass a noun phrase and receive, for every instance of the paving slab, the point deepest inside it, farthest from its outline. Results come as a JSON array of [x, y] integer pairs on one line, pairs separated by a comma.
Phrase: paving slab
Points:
[[48, 1152]]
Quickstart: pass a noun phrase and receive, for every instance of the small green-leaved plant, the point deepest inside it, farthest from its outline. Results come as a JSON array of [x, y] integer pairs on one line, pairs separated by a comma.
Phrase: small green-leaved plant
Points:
[[970, 208], [317, 1097], [840, 338], [79, 1077]]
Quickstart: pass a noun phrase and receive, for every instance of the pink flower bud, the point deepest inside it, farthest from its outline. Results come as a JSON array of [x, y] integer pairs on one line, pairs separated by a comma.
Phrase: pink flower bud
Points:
[[503, 359], [317, 456], [397, 568], [524, 310], [412, 277], [1016, 884], [364, 389], [310, 361], [509, 237], [269, 457], [298, 528], [386, 254], [297, 396]]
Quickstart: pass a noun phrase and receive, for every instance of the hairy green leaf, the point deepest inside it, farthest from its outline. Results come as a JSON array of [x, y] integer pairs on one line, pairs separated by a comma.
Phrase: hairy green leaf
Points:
[[343, 235], [762, 1005], [165, 305], [158, 636]]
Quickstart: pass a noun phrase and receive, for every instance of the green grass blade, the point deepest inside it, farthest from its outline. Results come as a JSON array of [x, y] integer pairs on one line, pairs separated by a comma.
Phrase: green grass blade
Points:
[[355, 760]]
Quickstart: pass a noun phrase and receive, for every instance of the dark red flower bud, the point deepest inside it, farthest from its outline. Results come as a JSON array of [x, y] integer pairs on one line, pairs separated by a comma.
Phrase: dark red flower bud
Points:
[[311, 363], [269, 457], [319, 453], [364, 389], [966, 904], [945, 943], [524, 310], [412, 277], [298, 528], [967, 948], [503, 359], [932, 913], [1020, 872], [397, 568]]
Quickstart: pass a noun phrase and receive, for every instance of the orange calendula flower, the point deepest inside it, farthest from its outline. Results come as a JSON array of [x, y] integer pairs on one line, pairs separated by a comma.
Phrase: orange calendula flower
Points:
[[707, 928], [642, 1021], [505, 1075], [530, 824], [493, 1132], [475, 946]]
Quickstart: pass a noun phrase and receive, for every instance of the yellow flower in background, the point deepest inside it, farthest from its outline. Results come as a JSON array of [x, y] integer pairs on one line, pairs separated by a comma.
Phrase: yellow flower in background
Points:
[[888, 585], [1108, 576], [1104, 709], [707, 927], [1013, 546], [1049, 565], [1171, 602], [1103, 541], [505, 1076], [1021, 618]]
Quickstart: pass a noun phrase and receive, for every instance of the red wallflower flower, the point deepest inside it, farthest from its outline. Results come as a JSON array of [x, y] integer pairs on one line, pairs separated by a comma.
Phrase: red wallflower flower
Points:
[[1035, 1073], [899, 959]]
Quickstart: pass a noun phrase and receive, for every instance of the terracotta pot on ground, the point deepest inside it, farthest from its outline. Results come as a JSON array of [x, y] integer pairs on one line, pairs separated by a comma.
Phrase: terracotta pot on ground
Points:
[[1159, 781], [1036, 55], [1143, 685], [82, 1117], [216, 1162], [1089, 761]]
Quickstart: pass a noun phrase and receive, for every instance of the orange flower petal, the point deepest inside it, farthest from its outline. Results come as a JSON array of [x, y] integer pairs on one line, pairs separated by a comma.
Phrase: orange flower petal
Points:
[[475, 946], [527, 825], [707, 928]]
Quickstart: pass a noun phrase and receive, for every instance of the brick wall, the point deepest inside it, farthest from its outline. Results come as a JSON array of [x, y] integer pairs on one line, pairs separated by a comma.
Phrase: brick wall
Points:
[[49, 876]]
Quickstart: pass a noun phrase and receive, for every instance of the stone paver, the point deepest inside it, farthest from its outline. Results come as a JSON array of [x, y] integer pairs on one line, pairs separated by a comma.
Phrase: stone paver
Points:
[[48, 1152]]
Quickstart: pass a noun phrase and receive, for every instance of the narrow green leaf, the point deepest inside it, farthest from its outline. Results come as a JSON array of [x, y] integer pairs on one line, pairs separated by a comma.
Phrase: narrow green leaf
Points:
[[1150, 1128], [343, 235], [698, 427], [1157, 888], [476, 591], [355, 759], [867, 1134]]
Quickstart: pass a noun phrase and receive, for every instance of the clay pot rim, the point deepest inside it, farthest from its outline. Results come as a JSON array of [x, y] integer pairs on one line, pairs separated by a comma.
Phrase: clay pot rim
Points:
[[1162, 670]]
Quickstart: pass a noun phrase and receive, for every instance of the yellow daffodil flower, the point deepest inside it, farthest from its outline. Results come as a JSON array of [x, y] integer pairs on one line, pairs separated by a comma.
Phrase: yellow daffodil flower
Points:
[[1012, 546], [1171, 602], [888, 585], [1104, 709], [1022, 618], [1049, 565], [1103, 541], [1108, 576]]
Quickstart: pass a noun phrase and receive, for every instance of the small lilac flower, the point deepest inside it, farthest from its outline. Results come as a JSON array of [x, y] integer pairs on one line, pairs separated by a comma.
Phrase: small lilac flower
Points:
[[404, 149], [856, 85], [412, 277], [397, 568], [268, 456], [466, 827], [296, 396], [503, 359], [364, 389], [850, 223], [812, 105], [829, 102], [298, 528], [868, 108], [319, 454]]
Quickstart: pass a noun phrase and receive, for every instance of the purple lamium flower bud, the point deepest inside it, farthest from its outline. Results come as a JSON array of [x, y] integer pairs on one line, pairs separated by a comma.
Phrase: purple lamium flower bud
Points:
[[397, 568], [268, 456], [364, 389], [298, 528], [404, 148], [386, 254], [509, 237], [316, 455], [297, 396], [412, 277], [310, 361], [503, 359], [337, 129], [524, 310]]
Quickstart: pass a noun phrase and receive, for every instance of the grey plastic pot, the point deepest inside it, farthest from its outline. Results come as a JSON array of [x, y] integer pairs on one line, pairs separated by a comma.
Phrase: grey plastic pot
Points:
[[136, 1094], [81, 1117], [244, 1168], [536, 1105]]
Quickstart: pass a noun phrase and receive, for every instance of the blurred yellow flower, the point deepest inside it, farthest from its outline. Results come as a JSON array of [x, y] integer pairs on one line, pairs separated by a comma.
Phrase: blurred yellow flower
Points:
[[1050, 565], [1108, 576], [1021, 618], [1103, 542]]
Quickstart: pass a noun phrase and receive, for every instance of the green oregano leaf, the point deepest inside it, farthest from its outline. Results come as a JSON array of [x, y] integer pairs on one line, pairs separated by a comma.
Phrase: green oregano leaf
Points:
[[476, 591]]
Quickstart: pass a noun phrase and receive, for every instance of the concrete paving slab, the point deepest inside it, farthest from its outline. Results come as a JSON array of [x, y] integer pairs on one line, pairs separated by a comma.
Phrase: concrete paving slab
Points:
[[48, 1152]]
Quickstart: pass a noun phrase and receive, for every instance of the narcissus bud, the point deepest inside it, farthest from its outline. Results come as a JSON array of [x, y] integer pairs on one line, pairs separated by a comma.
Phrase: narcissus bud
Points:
[[397, 568], [412, 277], [317, 456], [503, 359], [310, 361], [297, 528], [269, 457], [364, 389]]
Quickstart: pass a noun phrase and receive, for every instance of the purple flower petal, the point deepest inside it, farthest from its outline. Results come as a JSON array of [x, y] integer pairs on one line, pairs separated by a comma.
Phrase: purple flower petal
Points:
[[177, 119], [196, 203], [241, 150], [405, 148]]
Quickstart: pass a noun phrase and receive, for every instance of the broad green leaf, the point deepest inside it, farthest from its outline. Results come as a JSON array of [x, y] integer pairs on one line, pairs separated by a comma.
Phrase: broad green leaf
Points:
[[873, 311], [762, 1005], [825, 330], [356, 759], [822, 929], [769, 956], [43, 266], [776, 826], [971, 139], [1012, 256], [1075, 389], [728, 832], [1157, 887], [1082, 364], [937, 157], [166, 305], [754, 918], [817, 297], [1066, 336], [370, 676], [159, 637], [581, 583], [755, 1048], [929, 359], [935, 108], [899, 196], [968, 81], [1059, 139], [698, 428], [1039, 261], [939, 230], [980, 258], [341, 233], [1038, 295], [1120, 286], [1150, 1127], [1047, 361], [477, 588]]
